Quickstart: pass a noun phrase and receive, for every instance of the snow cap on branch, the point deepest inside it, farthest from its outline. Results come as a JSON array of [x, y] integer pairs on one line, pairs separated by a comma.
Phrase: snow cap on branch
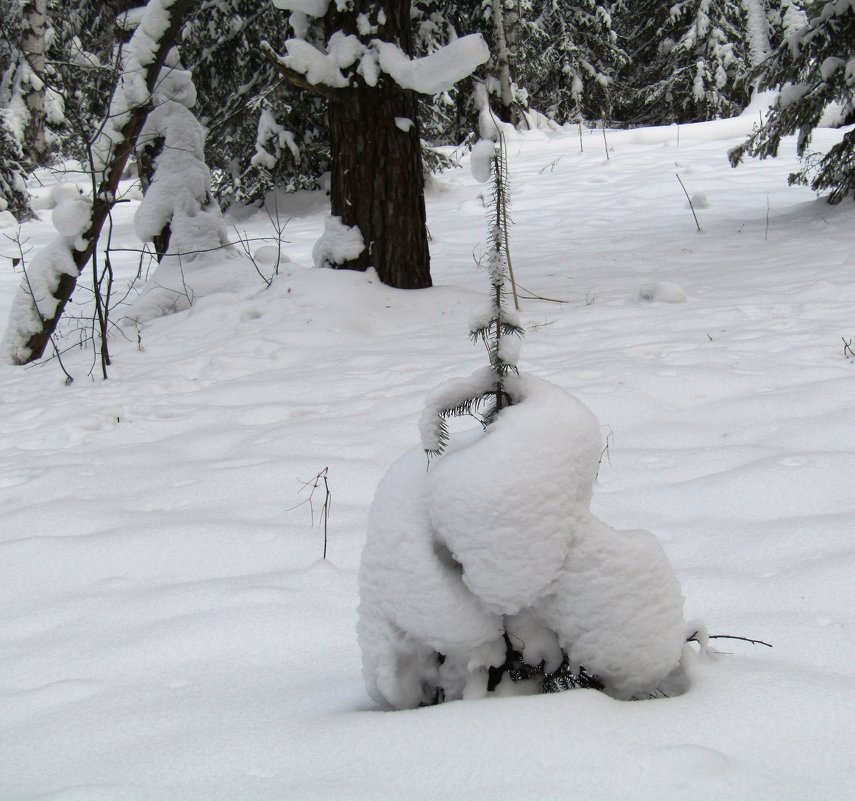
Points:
[[132, 90], [437, 72], [314, 8], [429, 75]]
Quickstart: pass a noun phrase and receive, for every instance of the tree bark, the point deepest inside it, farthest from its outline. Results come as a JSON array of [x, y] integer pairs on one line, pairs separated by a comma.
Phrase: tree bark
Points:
[[33, 47], [507, 110], [377, 175]]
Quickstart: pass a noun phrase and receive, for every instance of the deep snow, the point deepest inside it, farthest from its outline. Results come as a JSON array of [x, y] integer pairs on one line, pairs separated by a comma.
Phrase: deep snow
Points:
[[169, 631]]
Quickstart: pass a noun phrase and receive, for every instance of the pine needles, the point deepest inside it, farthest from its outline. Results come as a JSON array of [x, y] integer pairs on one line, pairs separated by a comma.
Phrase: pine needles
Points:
[[496, 326]]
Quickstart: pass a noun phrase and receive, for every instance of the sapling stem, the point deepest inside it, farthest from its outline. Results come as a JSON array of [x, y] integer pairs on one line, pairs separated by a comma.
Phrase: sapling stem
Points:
[[691, 205]]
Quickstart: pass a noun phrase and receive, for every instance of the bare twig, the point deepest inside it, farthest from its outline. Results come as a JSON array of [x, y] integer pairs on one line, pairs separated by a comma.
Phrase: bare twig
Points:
[[766, 236], [691, 205], [551, 166], [321, 478], [694, 638], [605, 451]]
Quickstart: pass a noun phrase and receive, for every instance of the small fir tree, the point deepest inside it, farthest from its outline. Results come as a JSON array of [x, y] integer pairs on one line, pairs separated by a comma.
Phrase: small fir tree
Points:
[[814, 68], [487, 573], [496, 326]]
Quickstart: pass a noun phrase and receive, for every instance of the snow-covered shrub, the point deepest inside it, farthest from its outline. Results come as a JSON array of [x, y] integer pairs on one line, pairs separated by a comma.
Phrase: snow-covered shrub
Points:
[[487, 571]]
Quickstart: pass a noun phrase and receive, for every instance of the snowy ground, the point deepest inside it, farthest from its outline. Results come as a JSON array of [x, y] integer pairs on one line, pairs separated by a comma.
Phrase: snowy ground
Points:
[[169, 630]]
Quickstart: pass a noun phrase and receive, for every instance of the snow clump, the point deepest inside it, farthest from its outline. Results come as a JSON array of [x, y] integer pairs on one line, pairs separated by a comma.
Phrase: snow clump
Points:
[[662, 292], [339, 244], [496, 543], [480, 159], [72, 218]]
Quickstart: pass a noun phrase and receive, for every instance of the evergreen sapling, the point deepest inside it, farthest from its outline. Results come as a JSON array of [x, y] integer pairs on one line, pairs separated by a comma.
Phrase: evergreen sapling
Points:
[[487, 572], [496, 326]]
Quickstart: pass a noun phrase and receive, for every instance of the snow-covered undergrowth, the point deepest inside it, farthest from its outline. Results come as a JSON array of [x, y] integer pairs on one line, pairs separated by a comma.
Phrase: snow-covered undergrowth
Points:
[[497, 537], [169, 630]]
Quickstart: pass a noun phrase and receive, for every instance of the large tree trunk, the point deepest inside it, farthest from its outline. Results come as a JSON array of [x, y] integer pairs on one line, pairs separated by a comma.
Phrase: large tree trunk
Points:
[[377, 174]]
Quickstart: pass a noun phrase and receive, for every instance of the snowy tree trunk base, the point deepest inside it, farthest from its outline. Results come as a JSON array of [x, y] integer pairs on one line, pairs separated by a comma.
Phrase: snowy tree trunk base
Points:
[[488, 573], [377, 181], [379, 160]]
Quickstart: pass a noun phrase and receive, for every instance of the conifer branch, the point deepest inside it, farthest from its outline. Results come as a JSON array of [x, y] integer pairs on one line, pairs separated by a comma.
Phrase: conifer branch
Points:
[[294, 78]]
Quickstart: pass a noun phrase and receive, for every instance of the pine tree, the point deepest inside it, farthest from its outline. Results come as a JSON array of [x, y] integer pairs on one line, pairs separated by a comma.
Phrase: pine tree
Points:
[[14, 197], [13, 189], [496, 326], [567, 59], [814, 67], [448, 118], [785, 18], [82, 68], [689, 60]]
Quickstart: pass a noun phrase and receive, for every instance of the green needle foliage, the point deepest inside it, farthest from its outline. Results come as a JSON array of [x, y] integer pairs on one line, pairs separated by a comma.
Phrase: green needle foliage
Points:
[[813, 66], [497, 326]]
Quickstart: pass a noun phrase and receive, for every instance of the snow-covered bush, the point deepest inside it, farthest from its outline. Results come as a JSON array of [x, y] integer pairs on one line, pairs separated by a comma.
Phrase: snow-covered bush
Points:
[[487, 572]]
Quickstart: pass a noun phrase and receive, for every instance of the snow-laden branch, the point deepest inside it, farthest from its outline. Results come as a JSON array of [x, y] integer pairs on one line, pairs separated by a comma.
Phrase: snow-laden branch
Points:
[[307, 67]]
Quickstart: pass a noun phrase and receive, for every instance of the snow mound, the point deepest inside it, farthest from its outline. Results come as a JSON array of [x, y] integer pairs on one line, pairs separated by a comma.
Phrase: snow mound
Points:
[[179, 194], [340, 243], [270, 255], [617, 609], [531, 510], [662, 292], [497, 538], [413, 602]]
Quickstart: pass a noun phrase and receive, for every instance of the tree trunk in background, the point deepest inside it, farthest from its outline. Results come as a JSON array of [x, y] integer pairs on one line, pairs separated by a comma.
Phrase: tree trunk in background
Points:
[[33, 47], [507, 109], [377, 174]]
